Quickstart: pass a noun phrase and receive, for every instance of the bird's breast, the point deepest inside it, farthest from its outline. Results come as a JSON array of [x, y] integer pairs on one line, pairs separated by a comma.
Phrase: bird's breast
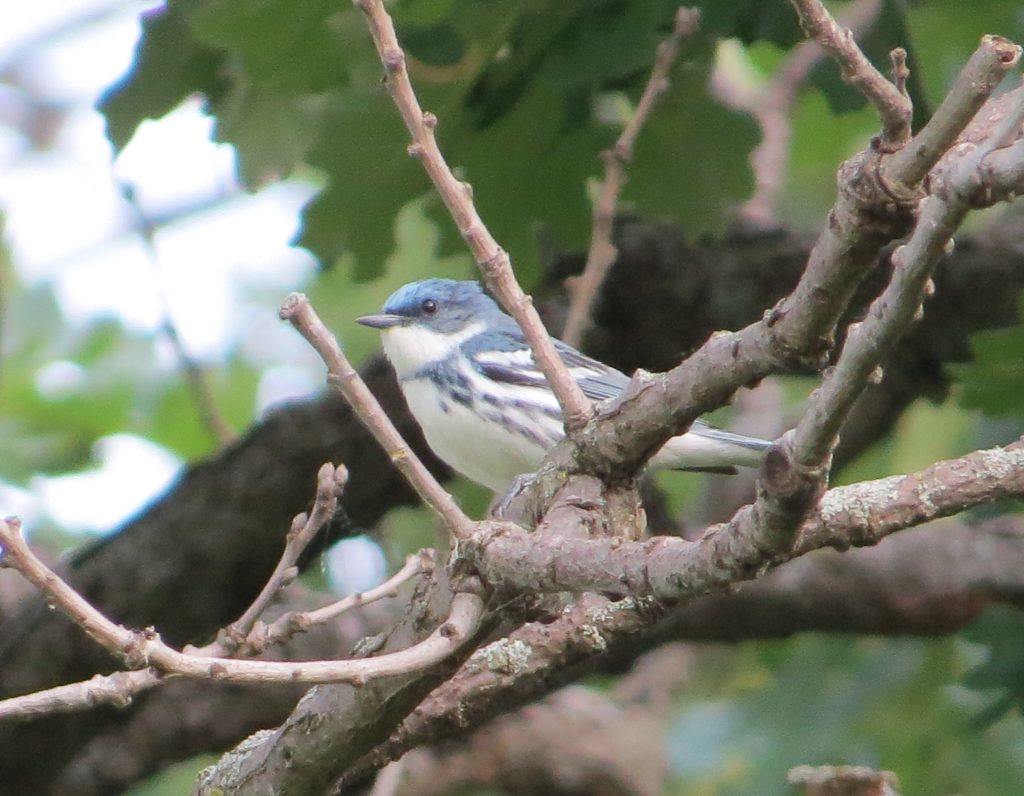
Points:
[[484, 436]]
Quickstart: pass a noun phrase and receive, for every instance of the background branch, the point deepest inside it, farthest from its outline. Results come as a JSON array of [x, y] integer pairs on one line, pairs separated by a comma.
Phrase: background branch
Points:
[[494, 261], [602, 253], [196, 379], [772, 108]]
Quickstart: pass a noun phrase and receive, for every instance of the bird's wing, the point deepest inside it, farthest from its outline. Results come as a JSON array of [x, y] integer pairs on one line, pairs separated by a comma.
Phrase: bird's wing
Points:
[[507, 359], [511, 362]]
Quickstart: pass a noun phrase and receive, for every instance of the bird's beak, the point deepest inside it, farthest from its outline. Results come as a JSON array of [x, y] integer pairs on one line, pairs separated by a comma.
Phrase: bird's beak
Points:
[[382, 321]]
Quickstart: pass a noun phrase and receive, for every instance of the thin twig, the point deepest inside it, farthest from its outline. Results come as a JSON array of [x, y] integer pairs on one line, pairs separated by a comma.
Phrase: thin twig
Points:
[[120, 688], [494, 261], [245, 637], [330, 482], [145, 649], [902, 171], [287, 624], [893, 105], [602, 254], [195, 375], [771, 109], [300, 313]]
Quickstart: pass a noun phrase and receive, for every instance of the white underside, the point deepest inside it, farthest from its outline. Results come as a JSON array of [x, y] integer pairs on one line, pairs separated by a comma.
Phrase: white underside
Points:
[[481, 450], [486, 451]]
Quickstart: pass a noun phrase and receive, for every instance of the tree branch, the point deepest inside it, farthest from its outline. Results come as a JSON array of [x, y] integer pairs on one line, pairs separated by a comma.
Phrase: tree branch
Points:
[[893, 105], [799, 330], [300, 313], [602, 254], [670, 569], [196, 379], [928, 580], [494, 261], [330, 482], [664, 296], [145, 650]]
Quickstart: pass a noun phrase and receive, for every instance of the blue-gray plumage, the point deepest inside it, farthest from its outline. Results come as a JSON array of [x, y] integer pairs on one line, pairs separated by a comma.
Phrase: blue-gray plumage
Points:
[[470, 380]]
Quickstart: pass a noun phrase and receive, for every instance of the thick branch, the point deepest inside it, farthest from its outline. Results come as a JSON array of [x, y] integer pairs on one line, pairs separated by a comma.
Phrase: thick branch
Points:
[[929, 580], [670, 568]]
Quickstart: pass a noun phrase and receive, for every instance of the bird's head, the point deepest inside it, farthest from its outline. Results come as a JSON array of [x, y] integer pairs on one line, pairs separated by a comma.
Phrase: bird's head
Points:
[[423, 323]]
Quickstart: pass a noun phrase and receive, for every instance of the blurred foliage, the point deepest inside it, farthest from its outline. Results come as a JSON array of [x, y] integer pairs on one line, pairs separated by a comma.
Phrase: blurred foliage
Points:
[[65, 386], [515, 84], [994, 381], [1000, 673], [755, 711], [528, 92]]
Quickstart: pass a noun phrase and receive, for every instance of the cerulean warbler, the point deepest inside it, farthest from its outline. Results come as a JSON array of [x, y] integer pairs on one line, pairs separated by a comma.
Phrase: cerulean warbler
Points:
[[469, 378]]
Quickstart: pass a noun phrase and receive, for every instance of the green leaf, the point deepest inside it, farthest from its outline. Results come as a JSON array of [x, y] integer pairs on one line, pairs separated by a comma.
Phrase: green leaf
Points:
[[751, 20], [528, 170], [677, 171], [172, 418], [278, 43], [271, 130], [169, 66], [947, 32], [1001, 630], [994, 380], [370, 177]]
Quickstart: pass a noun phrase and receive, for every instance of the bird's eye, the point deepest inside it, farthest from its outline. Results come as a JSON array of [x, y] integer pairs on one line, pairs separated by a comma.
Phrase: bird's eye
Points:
[[429, 306]]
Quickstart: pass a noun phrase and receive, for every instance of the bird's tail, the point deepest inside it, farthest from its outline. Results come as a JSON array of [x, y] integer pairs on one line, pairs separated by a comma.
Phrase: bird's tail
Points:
[[710, 449]]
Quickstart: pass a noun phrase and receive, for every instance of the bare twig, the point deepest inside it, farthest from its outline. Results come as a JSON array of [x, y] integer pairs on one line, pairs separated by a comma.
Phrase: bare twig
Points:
[[330, 482], [584, 288], [494, 261], [300, 313], [772, 107], [902, 171], [288, 623], [195, 375], [117, 689], [892, 104], [145, 649], [120, 688], [246, 636]]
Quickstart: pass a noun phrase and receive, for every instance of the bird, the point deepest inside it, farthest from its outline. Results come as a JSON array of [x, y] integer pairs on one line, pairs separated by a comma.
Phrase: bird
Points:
[[485, 408]]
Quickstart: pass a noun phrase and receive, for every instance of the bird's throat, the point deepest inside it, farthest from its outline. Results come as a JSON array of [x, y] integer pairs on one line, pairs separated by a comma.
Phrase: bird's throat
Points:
[[411, 349]]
